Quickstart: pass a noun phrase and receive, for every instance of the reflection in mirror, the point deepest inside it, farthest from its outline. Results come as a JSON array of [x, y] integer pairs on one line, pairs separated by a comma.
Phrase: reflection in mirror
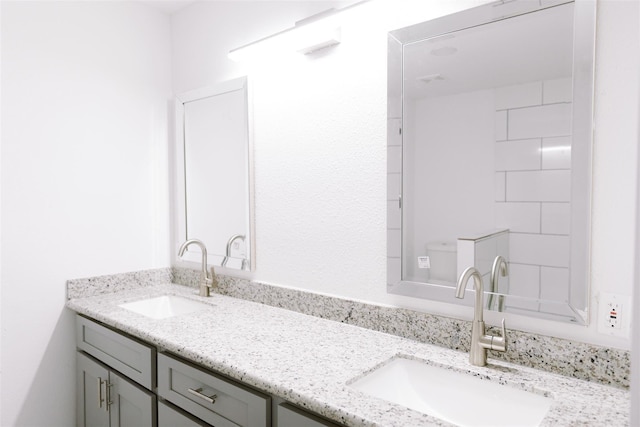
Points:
[[213, 173], [489, 147]]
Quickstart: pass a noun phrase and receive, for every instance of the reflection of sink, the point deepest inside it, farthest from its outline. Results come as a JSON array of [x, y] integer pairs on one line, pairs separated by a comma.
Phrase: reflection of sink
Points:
[[165, 306], [456, 397]]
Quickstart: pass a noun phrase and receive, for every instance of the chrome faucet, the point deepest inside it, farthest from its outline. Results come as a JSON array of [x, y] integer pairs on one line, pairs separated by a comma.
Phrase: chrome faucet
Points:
[[480, 342], [206, 280], [499, 264], [229, 243]]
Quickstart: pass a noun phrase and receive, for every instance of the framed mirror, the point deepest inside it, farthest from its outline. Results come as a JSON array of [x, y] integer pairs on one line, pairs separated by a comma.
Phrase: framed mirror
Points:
[[490, 116], [214, 174]]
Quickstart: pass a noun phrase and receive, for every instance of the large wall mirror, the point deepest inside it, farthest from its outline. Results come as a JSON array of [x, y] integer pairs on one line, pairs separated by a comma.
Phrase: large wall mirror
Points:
[[489, 146], [213, 180]]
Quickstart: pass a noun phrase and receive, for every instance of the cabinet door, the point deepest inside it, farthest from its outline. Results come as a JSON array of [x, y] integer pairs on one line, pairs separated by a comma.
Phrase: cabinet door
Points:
[[92, 379], [130, 405]]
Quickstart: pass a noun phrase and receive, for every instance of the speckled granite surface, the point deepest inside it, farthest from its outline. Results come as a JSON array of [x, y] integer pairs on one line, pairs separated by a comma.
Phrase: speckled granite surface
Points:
[[310, 361], [79, 288], [571, 358]]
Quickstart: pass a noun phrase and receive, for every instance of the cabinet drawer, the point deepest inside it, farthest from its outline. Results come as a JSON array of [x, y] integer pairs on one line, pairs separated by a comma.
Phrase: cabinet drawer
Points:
[[290, 416], [211, 397], [126, 355]]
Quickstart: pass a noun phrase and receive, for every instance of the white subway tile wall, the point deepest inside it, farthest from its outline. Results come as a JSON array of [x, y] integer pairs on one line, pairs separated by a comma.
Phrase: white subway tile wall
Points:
[[555, 218], [539, 186], [542, 121], [556, 153], [539, 249], [524, 154], [394, 187], [518, 217], [533, 189]]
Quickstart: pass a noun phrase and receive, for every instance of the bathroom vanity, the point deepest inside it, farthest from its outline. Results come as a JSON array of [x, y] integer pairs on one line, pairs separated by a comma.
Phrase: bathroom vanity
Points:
[[123, 381], [262, 365]]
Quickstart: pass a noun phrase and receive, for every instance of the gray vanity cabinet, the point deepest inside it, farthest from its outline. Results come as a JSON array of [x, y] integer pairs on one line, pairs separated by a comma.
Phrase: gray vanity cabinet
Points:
[[125, 382], [115, 378], [106, 399]]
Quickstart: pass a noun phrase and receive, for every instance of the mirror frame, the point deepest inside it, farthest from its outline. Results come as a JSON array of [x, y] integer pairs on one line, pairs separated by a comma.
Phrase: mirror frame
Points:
[[581, 159], [180, 214]]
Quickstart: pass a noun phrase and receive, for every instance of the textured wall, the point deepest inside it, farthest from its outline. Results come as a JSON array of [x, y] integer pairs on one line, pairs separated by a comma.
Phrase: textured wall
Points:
[[320, 156]]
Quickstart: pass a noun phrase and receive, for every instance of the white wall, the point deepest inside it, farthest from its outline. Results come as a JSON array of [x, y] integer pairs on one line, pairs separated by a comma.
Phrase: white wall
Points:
[[85, 93], [320, 135]]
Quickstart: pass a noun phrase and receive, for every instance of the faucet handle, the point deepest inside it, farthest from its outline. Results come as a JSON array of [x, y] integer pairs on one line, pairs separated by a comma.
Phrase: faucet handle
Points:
[[493, 342], [500, 343]]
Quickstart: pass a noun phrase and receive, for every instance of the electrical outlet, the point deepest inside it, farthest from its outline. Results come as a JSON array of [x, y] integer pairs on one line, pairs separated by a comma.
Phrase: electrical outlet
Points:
[[614, 314]]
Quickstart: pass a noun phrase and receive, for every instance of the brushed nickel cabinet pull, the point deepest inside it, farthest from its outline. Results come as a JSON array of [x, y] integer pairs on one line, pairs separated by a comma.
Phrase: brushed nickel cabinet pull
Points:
[[107, 394], [107, 388], [198, 392], [100, 399]]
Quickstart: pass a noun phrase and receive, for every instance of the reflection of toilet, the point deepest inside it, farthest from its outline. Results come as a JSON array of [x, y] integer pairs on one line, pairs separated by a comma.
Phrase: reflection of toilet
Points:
[[443, 260]]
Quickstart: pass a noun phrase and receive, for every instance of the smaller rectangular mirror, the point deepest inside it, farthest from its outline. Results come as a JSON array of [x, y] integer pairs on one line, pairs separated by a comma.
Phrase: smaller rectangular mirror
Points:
[[213, 174]]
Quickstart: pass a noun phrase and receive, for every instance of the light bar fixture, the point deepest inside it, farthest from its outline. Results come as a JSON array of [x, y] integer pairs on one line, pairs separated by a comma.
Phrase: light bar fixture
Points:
[[306, 36]]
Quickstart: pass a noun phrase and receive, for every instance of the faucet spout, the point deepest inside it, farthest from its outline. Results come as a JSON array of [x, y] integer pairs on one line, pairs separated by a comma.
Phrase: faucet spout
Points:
[[229, 243], [206, 282], [477, 287], [480, 342]]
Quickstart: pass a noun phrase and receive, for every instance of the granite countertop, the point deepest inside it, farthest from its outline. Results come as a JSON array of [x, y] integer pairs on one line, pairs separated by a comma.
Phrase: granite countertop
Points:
[[310, 361]]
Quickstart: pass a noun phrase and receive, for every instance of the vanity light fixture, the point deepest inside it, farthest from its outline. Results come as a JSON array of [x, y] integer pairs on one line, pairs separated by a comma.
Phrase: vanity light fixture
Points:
[[306, 36]]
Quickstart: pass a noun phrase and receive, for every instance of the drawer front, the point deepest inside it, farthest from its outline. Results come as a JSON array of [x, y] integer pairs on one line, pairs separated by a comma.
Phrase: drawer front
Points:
[[290, 416], [128, 356], [210, 397]]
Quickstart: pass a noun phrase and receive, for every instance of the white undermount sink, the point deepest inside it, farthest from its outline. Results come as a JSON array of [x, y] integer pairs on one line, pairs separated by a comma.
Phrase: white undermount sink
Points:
[[165, 306], [456, 397]]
